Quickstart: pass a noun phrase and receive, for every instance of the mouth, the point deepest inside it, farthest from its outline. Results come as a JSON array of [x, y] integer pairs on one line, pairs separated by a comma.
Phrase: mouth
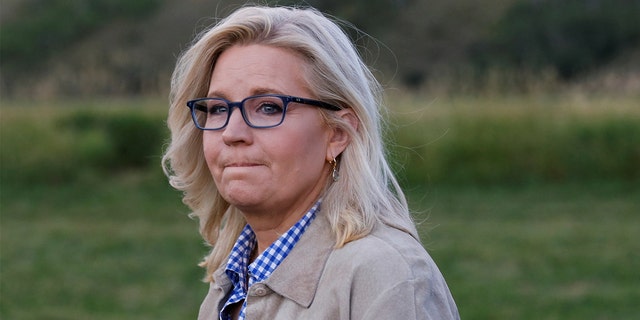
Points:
[[242, 165]]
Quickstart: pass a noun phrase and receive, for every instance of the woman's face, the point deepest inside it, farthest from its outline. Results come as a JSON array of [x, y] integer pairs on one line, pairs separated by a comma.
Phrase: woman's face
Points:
[[280, 170]]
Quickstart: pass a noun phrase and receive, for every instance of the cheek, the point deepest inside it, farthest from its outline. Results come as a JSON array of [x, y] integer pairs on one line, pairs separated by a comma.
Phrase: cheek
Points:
[[306, 155], [210, 149]]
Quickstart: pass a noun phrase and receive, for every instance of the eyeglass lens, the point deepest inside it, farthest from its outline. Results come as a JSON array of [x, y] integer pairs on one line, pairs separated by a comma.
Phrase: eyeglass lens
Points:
[[264, 111]]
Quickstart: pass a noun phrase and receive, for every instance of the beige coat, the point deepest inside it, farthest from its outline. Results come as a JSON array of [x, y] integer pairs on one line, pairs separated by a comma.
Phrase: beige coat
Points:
[[385, 275]]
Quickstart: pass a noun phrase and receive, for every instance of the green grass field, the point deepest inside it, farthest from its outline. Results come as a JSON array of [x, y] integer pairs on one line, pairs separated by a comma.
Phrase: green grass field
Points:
[[544, 252], [124, 249], [86, 238]]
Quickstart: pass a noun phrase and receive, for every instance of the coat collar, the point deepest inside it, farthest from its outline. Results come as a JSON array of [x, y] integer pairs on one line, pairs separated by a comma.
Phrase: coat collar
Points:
[[298, 276]]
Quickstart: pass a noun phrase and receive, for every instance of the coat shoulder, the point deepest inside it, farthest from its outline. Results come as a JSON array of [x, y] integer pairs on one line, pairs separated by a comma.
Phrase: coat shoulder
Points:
[[387, 251]]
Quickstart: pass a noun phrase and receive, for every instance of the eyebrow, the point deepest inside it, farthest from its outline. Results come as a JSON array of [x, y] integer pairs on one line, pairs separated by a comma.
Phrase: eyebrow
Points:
[[254, 92]]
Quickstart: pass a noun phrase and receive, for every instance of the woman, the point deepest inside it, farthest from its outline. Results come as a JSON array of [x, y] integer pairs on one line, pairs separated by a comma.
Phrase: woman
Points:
[[276, 144]]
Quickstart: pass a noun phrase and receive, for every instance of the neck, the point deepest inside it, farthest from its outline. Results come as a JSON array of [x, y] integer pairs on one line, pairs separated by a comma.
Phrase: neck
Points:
[[268, 228], [269, 225]]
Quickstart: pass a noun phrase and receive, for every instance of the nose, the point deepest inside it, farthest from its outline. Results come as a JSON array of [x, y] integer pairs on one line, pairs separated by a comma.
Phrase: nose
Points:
[[237, 130]]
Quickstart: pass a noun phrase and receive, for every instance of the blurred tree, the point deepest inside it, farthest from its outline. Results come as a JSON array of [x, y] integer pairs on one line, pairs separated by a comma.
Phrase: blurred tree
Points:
[[430, 38], [371, 16], [122, 47], [37, 29], [571, 36], [40, 27]]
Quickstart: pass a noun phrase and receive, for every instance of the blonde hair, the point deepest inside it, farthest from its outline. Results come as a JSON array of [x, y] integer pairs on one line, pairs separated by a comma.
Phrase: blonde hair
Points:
[[366, 193]]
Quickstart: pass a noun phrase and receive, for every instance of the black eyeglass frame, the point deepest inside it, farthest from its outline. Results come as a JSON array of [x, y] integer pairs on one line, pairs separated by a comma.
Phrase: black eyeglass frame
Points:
[[192, 104]]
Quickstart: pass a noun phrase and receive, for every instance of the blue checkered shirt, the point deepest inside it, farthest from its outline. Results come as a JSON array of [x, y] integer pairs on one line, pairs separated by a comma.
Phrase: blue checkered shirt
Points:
[[243, 275]]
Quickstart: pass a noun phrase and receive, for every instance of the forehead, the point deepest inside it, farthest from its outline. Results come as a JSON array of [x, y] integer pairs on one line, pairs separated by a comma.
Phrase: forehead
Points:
[[244, 70]]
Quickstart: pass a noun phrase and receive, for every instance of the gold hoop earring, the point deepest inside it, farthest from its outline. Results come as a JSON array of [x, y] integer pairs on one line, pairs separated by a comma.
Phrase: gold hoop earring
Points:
[[335, 174]]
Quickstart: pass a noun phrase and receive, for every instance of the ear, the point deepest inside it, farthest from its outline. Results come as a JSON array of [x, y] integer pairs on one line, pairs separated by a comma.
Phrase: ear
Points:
[[340, 138]]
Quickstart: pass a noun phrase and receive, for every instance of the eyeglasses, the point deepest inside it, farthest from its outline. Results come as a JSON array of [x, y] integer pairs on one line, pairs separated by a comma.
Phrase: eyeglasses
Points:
[[261, 111]]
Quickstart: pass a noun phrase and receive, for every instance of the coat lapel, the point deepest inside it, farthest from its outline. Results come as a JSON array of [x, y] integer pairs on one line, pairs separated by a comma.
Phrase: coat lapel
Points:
[[298, 275]]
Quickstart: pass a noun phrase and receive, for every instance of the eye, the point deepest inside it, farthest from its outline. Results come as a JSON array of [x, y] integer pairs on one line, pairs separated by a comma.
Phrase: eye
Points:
[[216, 108], [269, 108]]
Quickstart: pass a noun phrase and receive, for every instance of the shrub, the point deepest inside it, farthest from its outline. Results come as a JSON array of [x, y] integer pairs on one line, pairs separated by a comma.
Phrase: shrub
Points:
[[35, 150], [464, 141], [63, 146], [518, 142], [136, 140], [133, 140]]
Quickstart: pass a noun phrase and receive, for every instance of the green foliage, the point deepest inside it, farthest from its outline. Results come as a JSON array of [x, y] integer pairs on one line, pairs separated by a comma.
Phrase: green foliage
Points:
[[569, 36], [133, 139], [607, 148], [67, 145], [519, 141], [52, 48], [458, 141], [372, 16], [40, 28]]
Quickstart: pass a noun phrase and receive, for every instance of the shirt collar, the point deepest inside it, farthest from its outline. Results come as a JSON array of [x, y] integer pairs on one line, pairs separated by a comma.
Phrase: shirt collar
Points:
[[297, 278], [242, 274], [271, 258]]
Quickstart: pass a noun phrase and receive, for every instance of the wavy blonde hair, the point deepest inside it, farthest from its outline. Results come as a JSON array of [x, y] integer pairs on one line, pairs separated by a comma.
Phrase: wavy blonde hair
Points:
[[366, 193]]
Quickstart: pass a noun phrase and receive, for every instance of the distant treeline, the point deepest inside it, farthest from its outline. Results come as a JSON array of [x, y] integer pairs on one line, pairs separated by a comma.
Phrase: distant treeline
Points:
[[418, 40], [38, 29]]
